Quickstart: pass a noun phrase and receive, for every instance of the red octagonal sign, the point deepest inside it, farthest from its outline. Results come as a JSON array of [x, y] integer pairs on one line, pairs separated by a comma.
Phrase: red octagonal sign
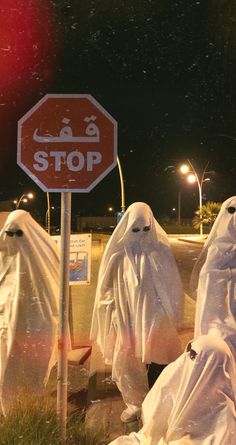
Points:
[[67, 142]]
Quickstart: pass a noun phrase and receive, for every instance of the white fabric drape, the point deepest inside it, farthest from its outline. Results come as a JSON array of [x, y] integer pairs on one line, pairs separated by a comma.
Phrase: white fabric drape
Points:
[[193, 401], [29, 289], [216, 289], [222, 231], [139, 298]]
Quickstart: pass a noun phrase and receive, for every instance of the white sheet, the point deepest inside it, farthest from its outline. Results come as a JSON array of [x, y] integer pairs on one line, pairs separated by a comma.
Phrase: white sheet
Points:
[[29, 289], [216, 291], [193, 401], [139, 299]]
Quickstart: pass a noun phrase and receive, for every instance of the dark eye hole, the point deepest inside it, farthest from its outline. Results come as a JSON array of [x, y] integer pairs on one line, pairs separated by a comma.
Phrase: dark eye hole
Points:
[[146, 228], [10, 233], [231, 209], [19, 232], [189, 346], [192, 354], [136, 229]]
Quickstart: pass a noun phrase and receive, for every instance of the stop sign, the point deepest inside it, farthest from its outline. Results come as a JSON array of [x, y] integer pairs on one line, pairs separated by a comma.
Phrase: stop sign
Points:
[[67, 143]]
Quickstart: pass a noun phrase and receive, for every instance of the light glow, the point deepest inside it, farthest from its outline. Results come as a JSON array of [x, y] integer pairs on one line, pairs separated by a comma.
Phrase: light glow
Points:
[[26, 45], [184, 169], [191, 179]]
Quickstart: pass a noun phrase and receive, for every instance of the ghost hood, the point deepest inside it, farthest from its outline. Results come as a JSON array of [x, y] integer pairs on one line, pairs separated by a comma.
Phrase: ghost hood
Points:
[[139, 295]]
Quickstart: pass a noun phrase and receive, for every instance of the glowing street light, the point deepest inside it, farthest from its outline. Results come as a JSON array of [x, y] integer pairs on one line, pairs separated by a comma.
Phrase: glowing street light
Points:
[[23, 198], [192, 178], [184, 169]]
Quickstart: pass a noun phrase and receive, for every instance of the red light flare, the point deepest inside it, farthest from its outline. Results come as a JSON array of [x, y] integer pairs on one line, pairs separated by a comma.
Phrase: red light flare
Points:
[[27, 46], [29, 43]]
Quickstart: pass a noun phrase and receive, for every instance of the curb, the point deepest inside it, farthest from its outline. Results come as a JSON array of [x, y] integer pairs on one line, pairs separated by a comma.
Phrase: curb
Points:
[[192, 241]]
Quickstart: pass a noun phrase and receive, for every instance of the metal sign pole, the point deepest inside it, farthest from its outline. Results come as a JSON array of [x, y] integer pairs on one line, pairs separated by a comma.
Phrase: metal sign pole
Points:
[[62, 369]]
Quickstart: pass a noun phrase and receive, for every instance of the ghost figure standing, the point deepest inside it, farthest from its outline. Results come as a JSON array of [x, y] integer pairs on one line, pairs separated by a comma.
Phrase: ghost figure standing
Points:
[[214, 278], [29, 283], [193, 401], [138, 304]]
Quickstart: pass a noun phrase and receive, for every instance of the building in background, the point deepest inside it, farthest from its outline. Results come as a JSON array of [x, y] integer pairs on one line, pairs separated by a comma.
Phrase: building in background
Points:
[[102, 224]]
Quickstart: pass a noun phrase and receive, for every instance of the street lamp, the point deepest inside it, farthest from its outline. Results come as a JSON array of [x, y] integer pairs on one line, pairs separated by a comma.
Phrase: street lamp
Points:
[[184, 169], [48, 219], [23, 198], [192, 178]]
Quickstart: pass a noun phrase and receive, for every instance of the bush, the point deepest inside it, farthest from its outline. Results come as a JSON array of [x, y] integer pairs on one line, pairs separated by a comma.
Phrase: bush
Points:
[[207, 215]]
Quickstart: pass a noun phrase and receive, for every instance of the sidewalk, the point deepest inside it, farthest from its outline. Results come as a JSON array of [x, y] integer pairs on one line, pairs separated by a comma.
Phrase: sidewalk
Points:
[[104, 413], [197, 239]]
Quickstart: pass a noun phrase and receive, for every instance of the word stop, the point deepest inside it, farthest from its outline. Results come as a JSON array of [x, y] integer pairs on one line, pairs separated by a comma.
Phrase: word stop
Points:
[[74, 160]]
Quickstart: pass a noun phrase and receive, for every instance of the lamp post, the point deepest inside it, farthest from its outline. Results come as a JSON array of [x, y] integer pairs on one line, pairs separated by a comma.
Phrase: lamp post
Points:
[[179, 208], [23, 198], [192, 178], [121, 185], [48, 219]]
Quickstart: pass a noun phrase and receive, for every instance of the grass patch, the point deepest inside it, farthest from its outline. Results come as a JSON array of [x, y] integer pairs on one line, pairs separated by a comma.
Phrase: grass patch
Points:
[[31, 422], [34, 422]]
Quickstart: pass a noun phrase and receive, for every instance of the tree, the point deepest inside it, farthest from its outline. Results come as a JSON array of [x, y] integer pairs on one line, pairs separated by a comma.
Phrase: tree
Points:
[[207, 215]]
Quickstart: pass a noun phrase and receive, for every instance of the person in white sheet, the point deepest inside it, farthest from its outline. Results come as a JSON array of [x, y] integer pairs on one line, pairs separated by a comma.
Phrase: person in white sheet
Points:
[[214, 278], [29, 288], [193, 402], [138, 305]]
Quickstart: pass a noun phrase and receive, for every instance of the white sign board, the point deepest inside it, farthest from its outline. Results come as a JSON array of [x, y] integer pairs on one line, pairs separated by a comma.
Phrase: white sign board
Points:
[[80, 257]]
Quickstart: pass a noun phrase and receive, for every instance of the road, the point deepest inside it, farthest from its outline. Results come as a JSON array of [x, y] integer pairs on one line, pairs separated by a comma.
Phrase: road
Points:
[[185, 254]]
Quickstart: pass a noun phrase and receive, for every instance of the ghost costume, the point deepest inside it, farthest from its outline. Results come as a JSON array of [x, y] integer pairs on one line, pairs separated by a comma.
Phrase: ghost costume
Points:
[[193, 401], [139, 302], [29, 287], [214, 277]]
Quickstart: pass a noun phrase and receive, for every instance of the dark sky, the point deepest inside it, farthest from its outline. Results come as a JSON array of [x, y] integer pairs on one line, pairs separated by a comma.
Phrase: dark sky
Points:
[[165, 70]]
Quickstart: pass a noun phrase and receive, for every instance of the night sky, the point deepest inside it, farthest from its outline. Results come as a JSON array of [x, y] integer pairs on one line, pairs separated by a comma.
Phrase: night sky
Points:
[[165, 70]]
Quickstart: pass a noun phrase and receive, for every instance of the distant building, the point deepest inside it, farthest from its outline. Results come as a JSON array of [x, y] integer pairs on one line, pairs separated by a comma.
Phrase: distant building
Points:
[[104, 224]]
